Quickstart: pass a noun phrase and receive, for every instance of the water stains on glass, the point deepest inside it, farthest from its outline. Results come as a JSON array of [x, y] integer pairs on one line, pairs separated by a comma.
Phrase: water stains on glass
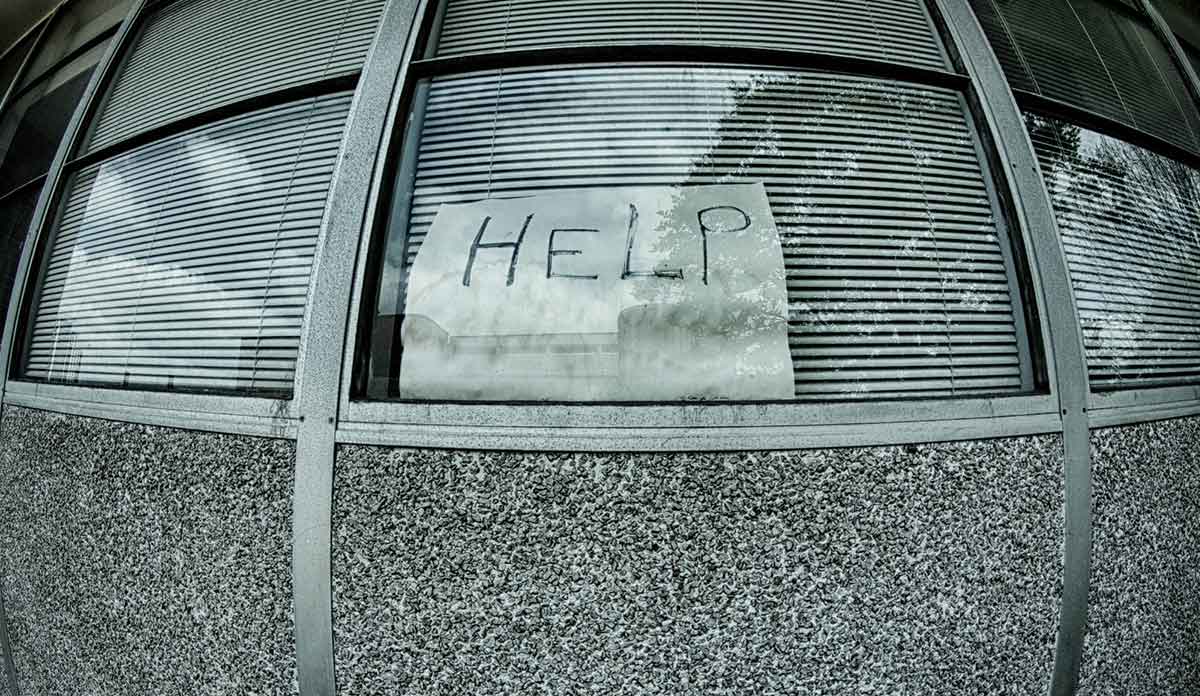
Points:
[[1130, 221]]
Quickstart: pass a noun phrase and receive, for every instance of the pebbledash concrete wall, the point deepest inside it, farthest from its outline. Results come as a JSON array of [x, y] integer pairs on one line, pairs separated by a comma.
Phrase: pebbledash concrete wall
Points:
[[137, 560], [140, 560], [900, 570], [1144, 605]]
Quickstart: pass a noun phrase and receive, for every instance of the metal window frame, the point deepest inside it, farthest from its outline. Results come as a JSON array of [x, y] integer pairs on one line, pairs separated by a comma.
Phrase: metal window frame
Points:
[[662, 426], [318, 372], [235, 413]]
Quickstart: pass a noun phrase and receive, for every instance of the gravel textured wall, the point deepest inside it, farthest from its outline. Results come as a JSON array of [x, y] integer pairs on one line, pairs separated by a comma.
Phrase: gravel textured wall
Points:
[[140, 560], [908, 570], [1144, 615]]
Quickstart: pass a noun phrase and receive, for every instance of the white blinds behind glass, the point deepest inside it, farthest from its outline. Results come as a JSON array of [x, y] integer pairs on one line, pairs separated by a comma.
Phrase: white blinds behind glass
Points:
[[184, 264], [897, 284], [196, 55], [1130, 221], [892, 30]]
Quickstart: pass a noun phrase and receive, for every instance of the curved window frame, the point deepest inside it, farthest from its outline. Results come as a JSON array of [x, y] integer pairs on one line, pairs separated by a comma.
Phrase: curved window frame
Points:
[[659, 427]]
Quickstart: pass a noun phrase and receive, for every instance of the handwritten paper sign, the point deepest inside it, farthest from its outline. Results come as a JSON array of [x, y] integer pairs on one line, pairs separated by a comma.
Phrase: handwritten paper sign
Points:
[[615, 294]]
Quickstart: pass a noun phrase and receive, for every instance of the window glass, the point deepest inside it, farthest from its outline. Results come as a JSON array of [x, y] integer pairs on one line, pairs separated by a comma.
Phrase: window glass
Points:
[[664, 232], [80, 22], [1093, 55], [31, 130], [11, 61], [184, 264], [1130, 224], [195, 55], [892, 30], [16, 212]]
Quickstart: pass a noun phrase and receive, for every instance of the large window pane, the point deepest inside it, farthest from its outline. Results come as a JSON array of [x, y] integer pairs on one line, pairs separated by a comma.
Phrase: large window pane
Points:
[[1130, 222], [892, 30], [184, 264], [894, 270]]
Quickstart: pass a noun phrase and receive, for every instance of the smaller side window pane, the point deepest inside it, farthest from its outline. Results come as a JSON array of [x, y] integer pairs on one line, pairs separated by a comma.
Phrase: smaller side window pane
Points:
[[16, 212], [183, 264], [194, 55], [77, 24], [1095, 56], [11, 61], [1130, 223], [562, 221], [32, 128]]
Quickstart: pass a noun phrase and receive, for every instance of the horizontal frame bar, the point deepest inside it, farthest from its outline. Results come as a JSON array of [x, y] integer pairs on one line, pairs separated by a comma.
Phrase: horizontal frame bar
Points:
[[686, 53], [240, 415], [1129, 406], [36, 181], [694, 426]]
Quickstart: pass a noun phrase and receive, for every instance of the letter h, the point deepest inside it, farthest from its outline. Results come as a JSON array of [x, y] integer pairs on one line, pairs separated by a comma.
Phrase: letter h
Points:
[[478, 244]]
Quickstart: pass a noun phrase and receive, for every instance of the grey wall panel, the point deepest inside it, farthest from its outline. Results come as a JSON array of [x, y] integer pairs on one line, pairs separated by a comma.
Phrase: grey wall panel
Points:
[[930, 569], [196, 55], [142, 560], [1144, 624]]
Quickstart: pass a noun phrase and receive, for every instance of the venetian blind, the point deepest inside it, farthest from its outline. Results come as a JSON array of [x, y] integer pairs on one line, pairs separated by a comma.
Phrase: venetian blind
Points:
[[896, 280], [892, 30], [184, 264], [1130, 224], [195, 55], [1096, 56]]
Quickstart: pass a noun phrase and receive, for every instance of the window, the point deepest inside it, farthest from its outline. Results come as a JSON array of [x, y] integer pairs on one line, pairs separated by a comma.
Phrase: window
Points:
[[42, 100], [1130, 221], [14, 56], [1120, 163], [34, 123], [180, 254], [1096, 56], [573, 227]]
